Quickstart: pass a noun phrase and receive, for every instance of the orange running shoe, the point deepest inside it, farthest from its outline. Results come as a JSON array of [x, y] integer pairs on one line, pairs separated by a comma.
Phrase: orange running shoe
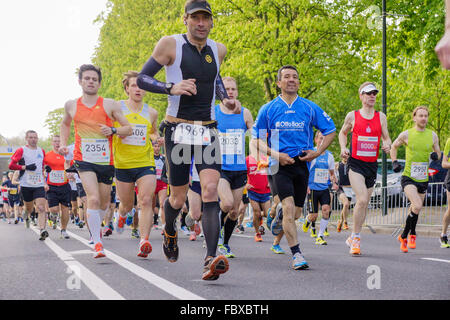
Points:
[[193, 237], [412, 241], [403, 243], [144, 248], [339, 226], [197, 229], [258, 237], [214, 267], [99, 252], [355, 248], [345, 227]]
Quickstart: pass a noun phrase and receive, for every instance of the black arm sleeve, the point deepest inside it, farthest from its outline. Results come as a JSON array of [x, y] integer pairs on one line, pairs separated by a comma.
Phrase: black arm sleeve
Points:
[[145, 80], [221, 93]]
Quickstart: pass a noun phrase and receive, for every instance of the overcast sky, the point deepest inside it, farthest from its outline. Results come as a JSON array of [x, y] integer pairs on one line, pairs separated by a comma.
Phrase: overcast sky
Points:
[[42, 44]]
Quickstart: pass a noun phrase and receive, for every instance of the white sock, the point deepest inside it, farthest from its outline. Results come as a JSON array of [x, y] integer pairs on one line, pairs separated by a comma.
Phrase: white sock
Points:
[[356, 235], [323, 226], [93, 219]]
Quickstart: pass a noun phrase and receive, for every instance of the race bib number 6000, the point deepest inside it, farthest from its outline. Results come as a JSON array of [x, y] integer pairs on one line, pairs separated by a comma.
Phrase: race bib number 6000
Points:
[[192, 134], [95, 150]]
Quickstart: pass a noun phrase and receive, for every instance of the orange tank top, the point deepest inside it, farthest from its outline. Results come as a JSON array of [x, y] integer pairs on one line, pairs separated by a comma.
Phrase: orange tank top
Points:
[[90, 144]]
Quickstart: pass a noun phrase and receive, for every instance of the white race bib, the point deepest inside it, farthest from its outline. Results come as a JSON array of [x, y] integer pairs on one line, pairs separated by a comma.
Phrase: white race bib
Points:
[[139, 136], [192, 134], [95, 150], [321, 176], [34, 178], [419, 170], [57, 176], [367, 146], [231, 143]]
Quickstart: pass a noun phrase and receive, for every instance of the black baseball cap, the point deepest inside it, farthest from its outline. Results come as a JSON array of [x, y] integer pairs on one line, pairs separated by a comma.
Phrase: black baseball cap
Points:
[[198, 6]]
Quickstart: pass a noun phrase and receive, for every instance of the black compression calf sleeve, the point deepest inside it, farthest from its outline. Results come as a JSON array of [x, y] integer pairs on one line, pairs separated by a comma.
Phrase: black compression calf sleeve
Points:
[[414, 219], [228, 230], [223, 215], [171, 215], [211, 226]]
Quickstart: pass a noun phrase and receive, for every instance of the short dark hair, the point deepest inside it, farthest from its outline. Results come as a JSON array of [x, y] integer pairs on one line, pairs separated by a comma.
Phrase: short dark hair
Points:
[[288, 66], [90, 67], [29, 132]]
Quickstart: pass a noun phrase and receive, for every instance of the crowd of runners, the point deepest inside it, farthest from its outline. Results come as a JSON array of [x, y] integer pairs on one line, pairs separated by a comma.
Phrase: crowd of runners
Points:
[[209, 162]]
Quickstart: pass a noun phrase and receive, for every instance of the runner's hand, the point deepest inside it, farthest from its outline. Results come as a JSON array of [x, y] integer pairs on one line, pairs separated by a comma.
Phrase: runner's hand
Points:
[[105, 130], [31, 167], [443, 50], [396, 166], [285, 159], [310, 155], [63, 151], [345, 154], [233, 105], [185, 87], [386, 147]]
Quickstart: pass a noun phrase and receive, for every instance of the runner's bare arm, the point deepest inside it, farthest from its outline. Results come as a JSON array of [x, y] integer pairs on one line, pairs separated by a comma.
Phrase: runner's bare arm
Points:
[[311, 154], [248, 118], [346, 127], [387, 142], [401, 140], [65, 126], [125, 128], [154, 134], [436, 147]]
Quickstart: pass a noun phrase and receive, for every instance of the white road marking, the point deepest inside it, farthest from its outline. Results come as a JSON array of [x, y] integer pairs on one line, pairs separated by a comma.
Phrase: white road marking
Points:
[[167, 286], [439, 260], [98, 287]]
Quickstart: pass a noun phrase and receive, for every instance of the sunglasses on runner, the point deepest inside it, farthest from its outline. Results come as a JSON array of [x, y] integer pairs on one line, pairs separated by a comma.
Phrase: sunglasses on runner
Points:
[[371, 93]]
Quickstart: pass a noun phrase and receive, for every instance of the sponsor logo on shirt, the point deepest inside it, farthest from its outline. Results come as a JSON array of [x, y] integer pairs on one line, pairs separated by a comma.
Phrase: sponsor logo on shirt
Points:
[[289, 125]]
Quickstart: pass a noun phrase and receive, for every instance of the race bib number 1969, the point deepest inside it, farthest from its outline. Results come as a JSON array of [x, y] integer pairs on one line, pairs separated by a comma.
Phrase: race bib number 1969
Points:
[[192, 134]]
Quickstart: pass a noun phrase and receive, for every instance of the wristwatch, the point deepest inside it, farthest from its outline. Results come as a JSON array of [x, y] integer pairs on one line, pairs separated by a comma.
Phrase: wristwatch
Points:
[[114, 130], [169, 86]]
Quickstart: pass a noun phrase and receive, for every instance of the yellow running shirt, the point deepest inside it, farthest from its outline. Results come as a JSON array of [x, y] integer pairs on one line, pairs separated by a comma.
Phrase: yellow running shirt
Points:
[[135, 151]]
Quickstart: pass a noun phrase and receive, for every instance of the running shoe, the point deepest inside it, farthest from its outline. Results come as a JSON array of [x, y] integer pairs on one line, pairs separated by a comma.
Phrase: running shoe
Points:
[[214, 267], [91, 241], [240, 229], [299, 262], [444, 242], [81, 224], [135, 234], [320, 240], [313, 233], [229, 254], [107, 232], [27, 223], [121, 224], [277, 223], [258, 237], [345, 227], [339, 226], [262, 230], [277, 249], [130, 217], [355, 245], [189, 221], [249, 224], [412, 241], [21, 219], [305, 226], [197, 229], [44, 235], [111, 226], [34, 223], [99, 251], [185, 230], [64, 234], [144, 248], [170, 246], [403, 243], [222, 249], [269, 220], [193, 237], [16, 221], [326, 233]]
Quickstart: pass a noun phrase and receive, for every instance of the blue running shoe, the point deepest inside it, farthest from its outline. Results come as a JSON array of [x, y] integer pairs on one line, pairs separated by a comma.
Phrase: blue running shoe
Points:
[[221, 234], [277, 249], [111, 226], [130, 217], [277, 223], [249, 224], [299, 262], [269, 221]]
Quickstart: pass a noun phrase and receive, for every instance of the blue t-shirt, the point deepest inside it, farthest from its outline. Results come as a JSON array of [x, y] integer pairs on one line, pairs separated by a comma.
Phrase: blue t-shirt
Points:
[[319, 171], [289, 128], [232, 129]]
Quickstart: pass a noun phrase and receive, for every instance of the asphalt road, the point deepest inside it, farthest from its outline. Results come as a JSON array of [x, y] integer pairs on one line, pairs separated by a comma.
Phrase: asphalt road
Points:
[[59, 269]]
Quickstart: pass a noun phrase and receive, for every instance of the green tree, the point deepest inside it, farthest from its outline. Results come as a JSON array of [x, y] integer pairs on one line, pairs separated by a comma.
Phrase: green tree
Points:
[[53, 123]]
